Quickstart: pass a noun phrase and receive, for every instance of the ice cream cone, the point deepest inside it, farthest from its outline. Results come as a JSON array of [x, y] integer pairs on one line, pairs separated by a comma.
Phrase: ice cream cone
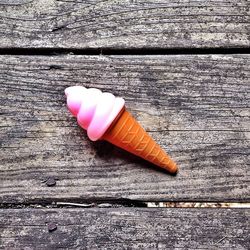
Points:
[[126, 133], [104, 116]]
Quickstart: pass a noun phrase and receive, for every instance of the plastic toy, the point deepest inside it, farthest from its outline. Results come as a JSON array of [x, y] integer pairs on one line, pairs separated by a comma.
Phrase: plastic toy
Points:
[[105, 117]]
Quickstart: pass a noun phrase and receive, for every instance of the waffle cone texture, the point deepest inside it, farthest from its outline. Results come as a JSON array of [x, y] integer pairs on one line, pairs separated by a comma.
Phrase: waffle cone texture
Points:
[[126, 133]]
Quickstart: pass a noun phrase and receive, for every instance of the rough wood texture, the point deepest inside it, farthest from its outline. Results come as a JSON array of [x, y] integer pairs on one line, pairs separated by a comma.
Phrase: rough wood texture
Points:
[[196, 107], [125, 228], [124, 24]]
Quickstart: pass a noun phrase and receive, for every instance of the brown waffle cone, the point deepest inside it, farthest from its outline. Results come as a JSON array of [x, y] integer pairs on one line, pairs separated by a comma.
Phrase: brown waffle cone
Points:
[[126, 133]]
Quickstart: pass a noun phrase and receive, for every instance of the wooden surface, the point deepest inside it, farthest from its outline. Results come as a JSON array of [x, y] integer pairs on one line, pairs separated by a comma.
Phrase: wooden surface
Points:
[[196, 107], [124, 24], [127, 228]]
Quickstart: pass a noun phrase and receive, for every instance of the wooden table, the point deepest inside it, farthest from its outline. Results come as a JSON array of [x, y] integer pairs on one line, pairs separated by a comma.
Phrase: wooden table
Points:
[[184, 71]]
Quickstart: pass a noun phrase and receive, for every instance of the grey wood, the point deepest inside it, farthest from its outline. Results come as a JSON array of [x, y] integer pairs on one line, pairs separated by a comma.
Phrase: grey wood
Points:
[[196, 108], [125, 228], [124, 24]]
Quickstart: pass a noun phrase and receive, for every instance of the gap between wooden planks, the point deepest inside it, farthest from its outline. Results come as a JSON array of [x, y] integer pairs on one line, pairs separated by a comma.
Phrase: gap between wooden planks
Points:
[[108, 204], [165, 204]]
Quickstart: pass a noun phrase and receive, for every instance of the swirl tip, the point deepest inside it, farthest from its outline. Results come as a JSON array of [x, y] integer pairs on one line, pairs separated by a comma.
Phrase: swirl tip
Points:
[[66, 91], [74, 90]]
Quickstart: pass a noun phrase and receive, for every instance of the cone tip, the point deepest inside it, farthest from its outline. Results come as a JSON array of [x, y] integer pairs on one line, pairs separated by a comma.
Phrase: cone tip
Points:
[[174, 169]]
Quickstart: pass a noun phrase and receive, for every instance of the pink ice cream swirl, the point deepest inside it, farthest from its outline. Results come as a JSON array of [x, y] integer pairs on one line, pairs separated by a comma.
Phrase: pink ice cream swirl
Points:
[[95, 110]]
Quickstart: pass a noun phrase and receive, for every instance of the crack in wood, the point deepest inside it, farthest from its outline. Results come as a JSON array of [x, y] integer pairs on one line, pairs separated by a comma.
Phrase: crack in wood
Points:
[[115, 51], [119, 203]]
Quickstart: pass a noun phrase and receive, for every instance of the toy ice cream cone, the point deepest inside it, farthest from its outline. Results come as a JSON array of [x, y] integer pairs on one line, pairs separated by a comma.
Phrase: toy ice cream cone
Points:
[[105, 117]]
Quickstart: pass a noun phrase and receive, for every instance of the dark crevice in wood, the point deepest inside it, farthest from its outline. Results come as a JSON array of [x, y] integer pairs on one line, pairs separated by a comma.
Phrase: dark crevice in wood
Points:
[[38, 203], [120, 202], [114, 51]]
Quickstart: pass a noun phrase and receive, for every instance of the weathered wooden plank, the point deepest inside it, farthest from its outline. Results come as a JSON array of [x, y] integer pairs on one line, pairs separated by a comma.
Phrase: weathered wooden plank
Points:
[[124, 24], [125, 228], [196, 107]]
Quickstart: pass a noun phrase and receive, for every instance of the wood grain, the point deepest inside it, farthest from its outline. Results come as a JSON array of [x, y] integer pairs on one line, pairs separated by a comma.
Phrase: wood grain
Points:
[[125, 228], [196, 108], [124, 24]]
